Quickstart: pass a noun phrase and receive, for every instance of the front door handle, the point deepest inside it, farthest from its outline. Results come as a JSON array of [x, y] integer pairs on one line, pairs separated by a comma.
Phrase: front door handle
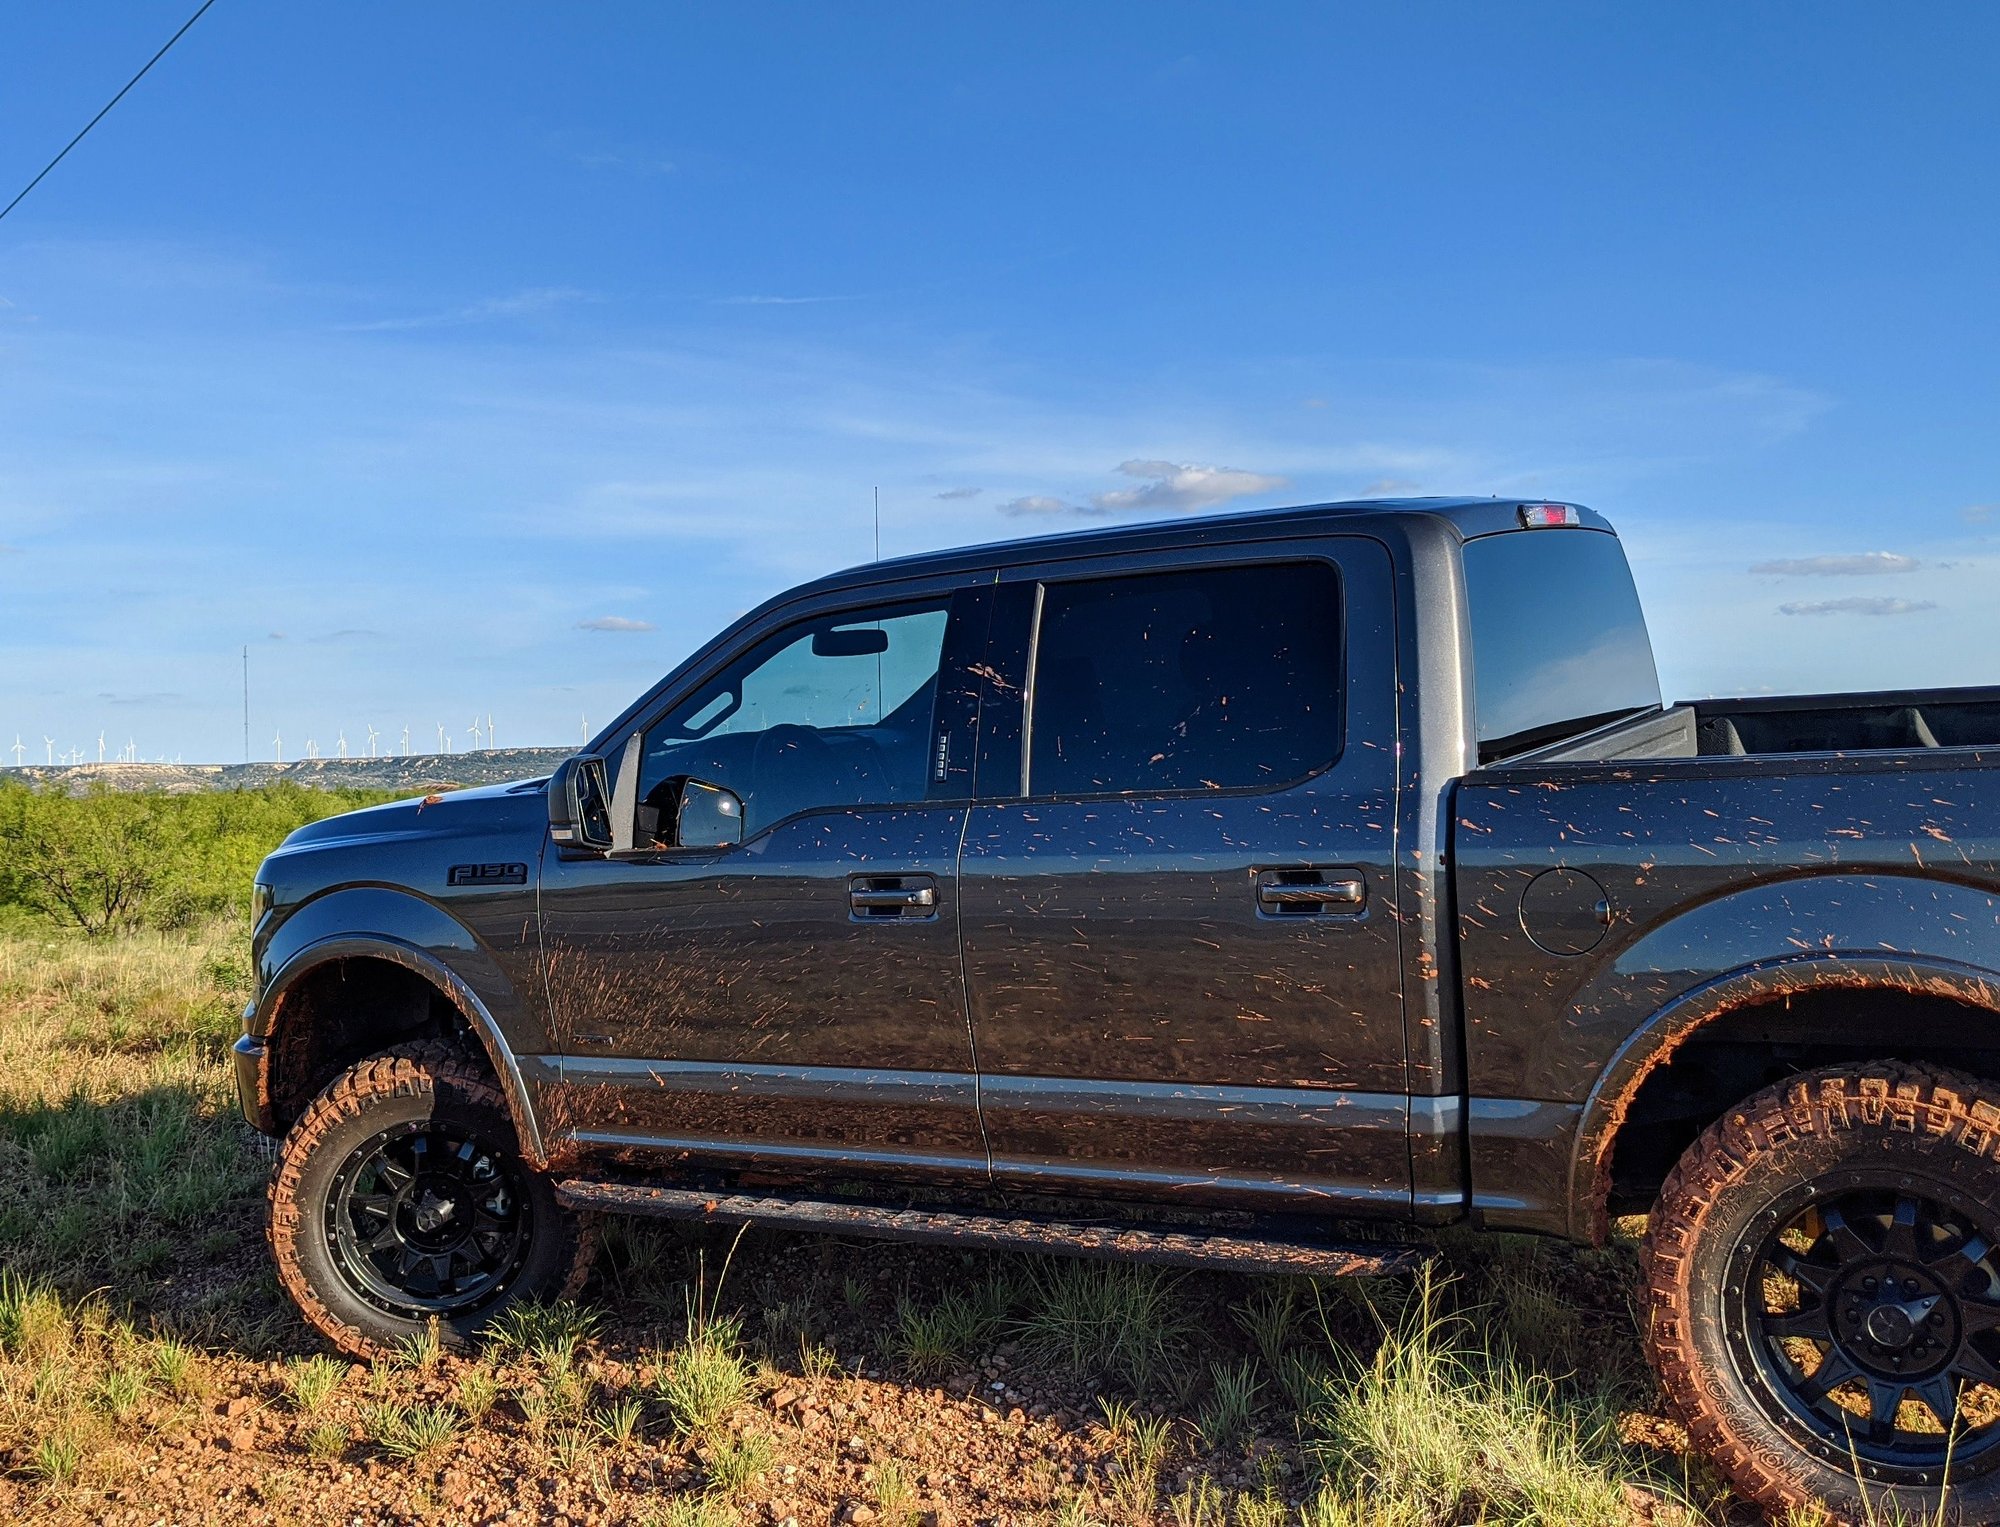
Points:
[[875, 897], [1309, 891]]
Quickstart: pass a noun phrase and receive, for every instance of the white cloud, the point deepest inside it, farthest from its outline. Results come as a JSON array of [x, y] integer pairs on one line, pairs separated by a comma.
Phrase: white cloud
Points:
[[534, 299], [1037, 503], [614, 623], [1978, 514], [1182, 486], [1856, 605], [951, 493], [758, 301], [1389, 487], [1860, 564]]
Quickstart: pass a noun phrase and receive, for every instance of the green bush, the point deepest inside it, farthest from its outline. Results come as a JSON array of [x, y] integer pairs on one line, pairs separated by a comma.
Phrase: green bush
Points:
[[109, 861]]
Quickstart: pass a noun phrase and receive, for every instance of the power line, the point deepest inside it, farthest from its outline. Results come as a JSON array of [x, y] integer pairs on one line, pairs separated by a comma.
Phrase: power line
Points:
[[205, 4]]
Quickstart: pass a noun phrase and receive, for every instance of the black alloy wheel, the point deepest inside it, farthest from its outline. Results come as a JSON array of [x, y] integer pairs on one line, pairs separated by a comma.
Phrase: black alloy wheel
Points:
[[427, 1219], [1868, 1323]]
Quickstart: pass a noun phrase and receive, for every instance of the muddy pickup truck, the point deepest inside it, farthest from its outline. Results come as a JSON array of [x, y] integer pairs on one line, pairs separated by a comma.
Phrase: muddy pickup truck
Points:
[[1198, 892]]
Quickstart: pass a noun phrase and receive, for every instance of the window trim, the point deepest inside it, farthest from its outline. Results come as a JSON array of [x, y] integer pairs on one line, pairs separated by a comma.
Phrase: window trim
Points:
[[1025, 779]]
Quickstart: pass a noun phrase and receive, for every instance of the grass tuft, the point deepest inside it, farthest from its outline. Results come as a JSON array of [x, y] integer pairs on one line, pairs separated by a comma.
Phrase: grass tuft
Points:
[[1104, 1320], [311, 1381]]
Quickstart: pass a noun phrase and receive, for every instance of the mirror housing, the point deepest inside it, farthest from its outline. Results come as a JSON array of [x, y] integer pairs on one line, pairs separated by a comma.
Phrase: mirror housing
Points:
[[580, 804], [707, 816]]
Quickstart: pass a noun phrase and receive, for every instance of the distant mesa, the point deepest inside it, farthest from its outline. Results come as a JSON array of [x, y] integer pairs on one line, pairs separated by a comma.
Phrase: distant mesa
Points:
[[418, 774]]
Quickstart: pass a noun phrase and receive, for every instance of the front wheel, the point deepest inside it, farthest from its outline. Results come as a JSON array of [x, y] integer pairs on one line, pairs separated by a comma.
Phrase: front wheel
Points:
[[401, 1199], [1823, 1270]]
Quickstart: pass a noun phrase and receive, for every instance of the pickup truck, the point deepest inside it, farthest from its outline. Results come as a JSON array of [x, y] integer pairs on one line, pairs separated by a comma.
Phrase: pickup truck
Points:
[[1186, 892]]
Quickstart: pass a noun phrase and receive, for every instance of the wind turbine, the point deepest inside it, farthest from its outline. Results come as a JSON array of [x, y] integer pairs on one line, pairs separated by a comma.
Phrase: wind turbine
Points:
[[406, 742], [278, 747], [444, 742], [100, 747], [50, 744], [131, 750], [19, 749], [489, 731], [583, 727], [342, 742], [473, 728], [372, 735]]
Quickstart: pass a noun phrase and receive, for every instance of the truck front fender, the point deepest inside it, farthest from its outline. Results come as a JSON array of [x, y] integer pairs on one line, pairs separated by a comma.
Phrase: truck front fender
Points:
[[1850, 931], [375, 923]]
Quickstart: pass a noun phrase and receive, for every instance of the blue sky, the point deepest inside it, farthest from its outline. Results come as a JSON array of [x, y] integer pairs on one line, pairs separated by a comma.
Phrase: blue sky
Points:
[[467, 358]]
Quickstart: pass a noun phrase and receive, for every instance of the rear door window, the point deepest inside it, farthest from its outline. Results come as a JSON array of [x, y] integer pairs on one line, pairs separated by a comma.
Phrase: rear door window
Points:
[[1209, 679]]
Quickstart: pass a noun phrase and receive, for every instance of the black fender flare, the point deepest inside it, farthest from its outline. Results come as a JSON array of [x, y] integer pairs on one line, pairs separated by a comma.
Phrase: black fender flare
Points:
[[269, 1010], [1655, 1041]]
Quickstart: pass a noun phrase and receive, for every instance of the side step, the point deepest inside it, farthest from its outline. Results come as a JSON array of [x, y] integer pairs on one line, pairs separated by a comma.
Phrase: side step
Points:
[[1175, 1248]]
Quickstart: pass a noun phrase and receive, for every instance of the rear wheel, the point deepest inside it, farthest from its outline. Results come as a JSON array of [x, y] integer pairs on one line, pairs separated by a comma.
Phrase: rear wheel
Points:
[[401, 1198], [1824, 1276]]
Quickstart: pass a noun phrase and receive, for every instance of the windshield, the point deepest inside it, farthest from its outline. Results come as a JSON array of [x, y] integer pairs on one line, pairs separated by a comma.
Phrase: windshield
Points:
[[1559, 642]]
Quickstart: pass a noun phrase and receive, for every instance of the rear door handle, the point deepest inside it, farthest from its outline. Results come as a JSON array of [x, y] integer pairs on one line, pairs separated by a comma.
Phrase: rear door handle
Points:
[[878, 897], [1309, 891]]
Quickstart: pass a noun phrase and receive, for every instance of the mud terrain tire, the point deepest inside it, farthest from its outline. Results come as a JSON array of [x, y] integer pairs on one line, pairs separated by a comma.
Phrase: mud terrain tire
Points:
[[435, 1091], [1841, 1159]]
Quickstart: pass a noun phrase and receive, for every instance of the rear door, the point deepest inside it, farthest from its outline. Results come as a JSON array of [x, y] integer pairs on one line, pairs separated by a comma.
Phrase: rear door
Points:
[[1177, 893]]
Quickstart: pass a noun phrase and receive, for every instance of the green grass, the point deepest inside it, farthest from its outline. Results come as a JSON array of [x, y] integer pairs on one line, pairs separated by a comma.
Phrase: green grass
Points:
[[311, 1381], [703, 1378], [1438, 1427], [1105, 1321], [407, 1432]]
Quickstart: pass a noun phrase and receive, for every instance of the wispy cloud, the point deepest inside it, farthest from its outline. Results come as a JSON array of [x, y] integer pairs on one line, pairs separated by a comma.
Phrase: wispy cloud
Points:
[[159, 697], [1038, 503], [346, 634], [759, 300], [1171, 486], [521, 304], [1857, 565], [1978, 514], [953, 493], [1389, 487], [1182, 485], [1858, 605], [641, 164], [614, 623]]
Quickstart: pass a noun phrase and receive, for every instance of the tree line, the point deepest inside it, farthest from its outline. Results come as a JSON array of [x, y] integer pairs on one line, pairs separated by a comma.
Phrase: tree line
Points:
[[107, 861]]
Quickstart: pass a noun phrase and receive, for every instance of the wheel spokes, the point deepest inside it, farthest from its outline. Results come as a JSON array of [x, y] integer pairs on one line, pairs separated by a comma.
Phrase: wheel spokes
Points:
[[1811, 1324], [1940, 1399], [1900, 1239], [1848, 1243]]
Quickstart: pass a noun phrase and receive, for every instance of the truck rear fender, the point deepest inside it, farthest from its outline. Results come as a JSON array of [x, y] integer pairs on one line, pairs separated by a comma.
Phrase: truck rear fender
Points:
[[1931, 939]]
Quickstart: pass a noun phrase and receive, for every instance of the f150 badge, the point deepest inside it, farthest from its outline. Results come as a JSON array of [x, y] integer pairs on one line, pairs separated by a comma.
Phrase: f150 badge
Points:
[[487, 874]]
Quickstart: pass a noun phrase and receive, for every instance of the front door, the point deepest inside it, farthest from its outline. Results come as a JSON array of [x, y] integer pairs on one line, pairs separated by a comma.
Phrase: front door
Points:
[[1179, 917], [796, 1000]]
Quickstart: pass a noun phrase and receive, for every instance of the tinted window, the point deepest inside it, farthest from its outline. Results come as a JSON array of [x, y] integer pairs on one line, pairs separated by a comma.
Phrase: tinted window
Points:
[[1558, 639], [1186, 681], [832, 712]]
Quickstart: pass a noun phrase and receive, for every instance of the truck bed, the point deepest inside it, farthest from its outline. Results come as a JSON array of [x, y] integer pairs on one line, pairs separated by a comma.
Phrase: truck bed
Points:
[[1782, 724], [1804, 846]]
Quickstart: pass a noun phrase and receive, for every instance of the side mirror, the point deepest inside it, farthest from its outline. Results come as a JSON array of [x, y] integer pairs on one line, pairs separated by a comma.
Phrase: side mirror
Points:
[[708, 816], [579, 804]]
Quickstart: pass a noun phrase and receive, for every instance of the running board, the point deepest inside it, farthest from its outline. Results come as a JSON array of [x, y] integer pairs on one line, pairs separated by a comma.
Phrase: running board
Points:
[[1174, 1248]]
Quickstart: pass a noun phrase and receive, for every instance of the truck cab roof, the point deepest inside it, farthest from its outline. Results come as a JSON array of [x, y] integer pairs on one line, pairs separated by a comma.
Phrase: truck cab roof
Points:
[[1469, 517]]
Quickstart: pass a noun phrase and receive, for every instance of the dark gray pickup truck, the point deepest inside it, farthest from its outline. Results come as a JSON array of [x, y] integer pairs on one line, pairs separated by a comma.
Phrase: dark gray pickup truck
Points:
[[1186, 892]]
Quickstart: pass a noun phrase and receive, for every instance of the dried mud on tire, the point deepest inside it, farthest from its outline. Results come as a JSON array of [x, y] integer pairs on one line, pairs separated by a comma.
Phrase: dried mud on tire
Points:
[[1942, 1125], [455, 1085]]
